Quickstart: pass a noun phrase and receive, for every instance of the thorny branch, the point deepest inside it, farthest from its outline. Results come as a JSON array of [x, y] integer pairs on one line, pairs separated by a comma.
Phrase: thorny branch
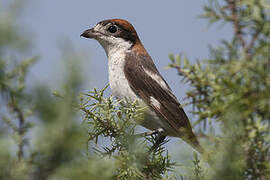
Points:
[[238, 29], [186, 75], [21, 127], [252, 42], [236, 24], [108, 127]]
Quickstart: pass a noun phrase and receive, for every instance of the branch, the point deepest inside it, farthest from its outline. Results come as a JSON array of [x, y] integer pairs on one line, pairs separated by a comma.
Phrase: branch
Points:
[[236, 23], [21, 127], [195, 83], [252, 42]]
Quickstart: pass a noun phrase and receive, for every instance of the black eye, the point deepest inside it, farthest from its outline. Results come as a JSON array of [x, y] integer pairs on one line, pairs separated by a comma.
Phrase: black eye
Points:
[[112, 29]]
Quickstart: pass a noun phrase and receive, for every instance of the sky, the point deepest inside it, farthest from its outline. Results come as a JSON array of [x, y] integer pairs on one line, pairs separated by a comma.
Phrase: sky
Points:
[[163, 26]]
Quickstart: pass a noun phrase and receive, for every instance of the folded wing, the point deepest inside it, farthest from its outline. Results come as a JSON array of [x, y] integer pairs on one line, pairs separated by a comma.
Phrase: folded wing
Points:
[[145, 80]]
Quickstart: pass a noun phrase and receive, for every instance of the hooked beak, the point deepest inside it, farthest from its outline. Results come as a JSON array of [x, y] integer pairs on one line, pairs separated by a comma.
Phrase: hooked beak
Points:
[[90, 33]]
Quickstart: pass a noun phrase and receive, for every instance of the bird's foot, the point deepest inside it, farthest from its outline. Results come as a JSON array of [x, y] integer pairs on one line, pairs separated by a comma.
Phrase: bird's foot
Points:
[[150, 133], [159, 137]]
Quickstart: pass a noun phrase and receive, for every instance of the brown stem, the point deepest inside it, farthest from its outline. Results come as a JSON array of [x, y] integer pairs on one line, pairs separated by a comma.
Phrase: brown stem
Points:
[[236, 24], [21, 119], [251, 44]]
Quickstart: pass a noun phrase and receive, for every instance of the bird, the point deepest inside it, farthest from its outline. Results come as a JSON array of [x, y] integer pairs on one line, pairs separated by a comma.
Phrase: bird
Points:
[[133, 75]]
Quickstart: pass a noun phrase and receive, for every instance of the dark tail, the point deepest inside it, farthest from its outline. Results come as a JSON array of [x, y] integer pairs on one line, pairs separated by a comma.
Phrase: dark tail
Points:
[[193, 141]]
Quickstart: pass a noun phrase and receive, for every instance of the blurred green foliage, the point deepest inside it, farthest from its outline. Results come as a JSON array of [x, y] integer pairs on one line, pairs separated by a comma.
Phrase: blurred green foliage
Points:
[[67, 134], [232, 89]]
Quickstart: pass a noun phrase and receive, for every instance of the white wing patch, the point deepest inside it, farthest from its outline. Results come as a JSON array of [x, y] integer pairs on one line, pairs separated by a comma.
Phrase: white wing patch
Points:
[[154, 102], [157, 78]]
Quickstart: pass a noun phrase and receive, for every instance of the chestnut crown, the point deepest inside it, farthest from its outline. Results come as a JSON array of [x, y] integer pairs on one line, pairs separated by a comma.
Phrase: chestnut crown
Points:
[[117, 28]]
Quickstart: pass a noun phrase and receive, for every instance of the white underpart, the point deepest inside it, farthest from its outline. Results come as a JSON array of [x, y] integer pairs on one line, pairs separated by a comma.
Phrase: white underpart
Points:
[[117, 79], [116, 49], [154, 102], [157, 78]]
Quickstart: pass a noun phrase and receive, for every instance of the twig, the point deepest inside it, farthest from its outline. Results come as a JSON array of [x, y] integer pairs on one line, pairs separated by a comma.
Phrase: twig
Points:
[[21, 127], [186, 75], [251, 44], [238, 30], [236, 23]]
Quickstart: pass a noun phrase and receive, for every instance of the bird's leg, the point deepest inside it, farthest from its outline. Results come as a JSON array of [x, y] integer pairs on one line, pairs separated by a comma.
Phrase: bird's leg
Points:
[[149, 133], [158, 140]]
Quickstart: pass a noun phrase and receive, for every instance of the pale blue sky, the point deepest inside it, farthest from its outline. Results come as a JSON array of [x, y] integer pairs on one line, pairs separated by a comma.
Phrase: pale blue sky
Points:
[[163, 26]]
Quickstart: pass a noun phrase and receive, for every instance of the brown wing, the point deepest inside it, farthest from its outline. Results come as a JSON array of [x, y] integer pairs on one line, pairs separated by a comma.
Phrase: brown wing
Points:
[[146, 87]]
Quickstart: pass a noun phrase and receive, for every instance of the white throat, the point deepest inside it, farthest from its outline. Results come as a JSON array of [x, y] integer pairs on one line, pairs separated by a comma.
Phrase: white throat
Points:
[[114, 45], [116, 49]]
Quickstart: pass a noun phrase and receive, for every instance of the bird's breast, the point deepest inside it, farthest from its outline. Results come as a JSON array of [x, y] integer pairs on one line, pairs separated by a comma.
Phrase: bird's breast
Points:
[[117, 80]]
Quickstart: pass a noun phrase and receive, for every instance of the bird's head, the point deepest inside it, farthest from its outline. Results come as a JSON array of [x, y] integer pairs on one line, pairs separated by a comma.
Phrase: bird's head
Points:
[[114, 35]]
